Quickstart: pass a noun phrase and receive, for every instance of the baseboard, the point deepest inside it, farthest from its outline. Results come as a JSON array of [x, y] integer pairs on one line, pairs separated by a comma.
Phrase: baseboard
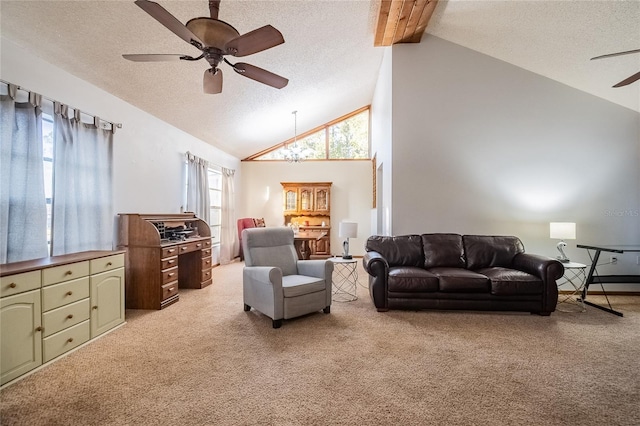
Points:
[[601, 293]]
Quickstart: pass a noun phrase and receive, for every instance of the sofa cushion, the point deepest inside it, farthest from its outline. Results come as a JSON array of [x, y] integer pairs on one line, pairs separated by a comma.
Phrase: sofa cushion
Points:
[[443, 250], [483, 251], [510, 282], [459, 280], [404, 250], [411, 279]]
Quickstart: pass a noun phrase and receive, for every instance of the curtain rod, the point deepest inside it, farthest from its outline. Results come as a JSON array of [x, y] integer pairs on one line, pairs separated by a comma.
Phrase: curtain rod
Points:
[[113, 125]]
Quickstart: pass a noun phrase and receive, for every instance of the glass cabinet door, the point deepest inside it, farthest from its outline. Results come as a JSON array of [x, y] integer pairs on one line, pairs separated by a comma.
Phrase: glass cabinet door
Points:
[[306, 199], [290, 200], [322, 199]]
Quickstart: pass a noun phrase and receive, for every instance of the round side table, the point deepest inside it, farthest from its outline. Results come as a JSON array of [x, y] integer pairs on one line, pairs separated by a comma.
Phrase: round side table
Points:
[[575, 275], [344, 279]]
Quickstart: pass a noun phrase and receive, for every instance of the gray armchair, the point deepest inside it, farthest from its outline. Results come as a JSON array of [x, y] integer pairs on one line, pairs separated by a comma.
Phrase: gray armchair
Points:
[[276, 283]]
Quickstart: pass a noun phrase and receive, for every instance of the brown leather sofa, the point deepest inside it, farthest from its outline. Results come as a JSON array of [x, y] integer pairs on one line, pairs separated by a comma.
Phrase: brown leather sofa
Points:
[[451, 271]]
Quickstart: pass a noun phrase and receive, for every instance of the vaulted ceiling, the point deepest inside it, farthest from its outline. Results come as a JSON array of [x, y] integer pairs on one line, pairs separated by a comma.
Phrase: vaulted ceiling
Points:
[[329, 55]]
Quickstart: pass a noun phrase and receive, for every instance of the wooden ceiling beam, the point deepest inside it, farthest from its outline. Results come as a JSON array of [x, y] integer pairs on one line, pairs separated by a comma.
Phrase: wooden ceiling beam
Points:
[[402, 21]]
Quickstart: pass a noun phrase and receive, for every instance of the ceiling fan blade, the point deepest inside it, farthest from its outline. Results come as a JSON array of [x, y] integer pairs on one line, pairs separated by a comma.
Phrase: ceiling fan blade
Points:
[[212, 81], [260, 75], [609, 55], [628, 80], [156, 58], [255, 41], [160, 14]]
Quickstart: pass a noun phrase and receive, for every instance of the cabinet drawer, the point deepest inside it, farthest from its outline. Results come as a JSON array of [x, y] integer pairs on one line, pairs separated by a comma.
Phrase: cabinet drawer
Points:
[[64, 317], [62, 294], [169, 275], [206, 252], [169, 251], [207, 244], [169, 290], [59, 343], [206, 263], [62, 273], [169, 262], [108, 263], [206, 275], [14, 284]]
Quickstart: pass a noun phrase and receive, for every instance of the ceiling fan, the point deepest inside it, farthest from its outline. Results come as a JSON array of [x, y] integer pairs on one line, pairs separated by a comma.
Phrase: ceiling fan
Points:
[[627, 80], [215, 39]]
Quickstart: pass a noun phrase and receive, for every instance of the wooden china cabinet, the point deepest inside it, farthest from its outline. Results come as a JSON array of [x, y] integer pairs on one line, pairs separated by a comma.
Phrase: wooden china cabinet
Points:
[[308, 206]]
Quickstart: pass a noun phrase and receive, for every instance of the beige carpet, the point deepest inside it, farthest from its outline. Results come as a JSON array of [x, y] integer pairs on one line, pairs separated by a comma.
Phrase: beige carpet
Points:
[[206, 361]]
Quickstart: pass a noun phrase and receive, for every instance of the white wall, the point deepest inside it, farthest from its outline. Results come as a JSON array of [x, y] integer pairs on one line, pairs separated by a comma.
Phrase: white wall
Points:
[[147, 154], [351, 194], [381, 142], [481, 146]]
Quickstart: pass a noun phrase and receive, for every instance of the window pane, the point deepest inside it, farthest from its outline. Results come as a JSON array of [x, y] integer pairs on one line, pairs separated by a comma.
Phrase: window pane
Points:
[[215, 234], [215, 179], [350, 138], [215, 216], [315, 144], [215, 198]]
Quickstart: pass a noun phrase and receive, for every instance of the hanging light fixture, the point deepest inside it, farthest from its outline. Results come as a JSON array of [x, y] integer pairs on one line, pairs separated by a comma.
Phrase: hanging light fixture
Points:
[[295, 154]]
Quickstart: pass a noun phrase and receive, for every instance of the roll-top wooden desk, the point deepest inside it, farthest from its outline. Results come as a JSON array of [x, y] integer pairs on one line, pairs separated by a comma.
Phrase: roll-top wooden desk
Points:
[[156, 266]]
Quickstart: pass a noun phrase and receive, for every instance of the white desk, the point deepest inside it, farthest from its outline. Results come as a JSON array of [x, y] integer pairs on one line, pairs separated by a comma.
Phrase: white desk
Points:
[[344, 279], [575, 275]]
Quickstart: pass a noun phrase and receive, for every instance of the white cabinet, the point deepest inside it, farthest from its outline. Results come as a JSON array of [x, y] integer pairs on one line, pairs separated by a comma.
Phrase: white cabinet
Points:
[[21, 334], [107, 301], [51, 306]]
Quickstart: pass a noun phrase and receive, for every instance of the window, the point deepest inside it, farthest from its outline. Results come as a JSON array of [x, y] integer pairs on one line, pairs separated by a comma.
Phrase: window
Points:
[[47, 161], [345, 138], [215, 201]]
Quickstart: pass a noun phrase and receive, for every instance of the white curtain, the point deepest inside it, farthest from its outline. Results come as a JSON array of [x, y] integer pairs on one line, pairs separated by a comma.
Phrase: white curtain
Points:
[[83, 191], [198, 187], [23, 209], [228, 239]]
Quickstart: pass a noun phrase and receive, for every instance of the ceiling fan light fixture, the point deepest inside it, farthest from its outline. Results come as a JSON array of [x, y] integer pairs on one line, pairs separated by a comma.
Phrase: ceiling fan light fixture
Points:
[[212, 32]]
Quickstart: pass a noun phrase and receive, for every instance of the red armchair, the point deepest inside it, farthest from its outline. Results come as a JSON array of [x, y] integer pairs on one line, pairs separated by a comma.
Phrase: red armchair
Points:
[[244, 223]]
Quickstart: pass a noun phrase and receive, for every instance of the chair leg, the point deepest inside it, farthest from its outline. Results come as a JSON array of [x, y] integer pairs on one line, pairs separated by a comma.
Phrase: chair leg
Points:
[[327, 310], [276, 323], [247, 308]]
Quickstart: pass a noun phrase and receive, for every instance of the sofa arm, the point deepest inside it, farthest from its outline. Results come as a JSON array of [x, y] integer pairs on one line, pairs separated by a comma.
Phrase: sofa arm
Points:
[[378, 269], [545, 268]]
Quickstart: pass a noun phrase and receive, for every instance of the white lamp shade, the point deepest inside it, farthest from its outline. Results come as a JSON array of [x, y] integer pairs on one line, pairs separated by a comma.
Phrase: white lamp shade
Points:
[[562, 230], [348, 230]]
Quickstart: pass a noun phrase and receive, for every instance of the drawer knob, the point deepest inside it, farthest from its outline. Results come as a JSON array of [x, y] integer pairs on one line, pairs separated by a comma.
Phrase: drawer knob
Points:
[[109, 263], [70, 339], [171, 288], [39, 328], [69, 273], [171, 274], [198, 245], [183, 248], [207, 262], [171, 262], [69, 293], [94, 308], [172, 250], [69, 316], [13, 285]]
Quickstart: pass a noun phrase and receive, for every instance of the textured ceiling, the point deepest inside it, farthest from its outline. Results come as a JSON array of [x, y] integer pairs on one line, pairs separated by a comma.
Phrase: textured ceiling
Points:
[[328, 55]]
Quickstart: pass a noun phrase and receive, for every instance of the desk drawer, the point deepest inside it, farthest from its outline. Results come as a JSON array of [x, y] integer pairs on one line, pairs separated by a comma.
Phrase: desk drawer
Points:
[[169, 275], [62, 294], [18, 283], [206, 275], [206, 263], [169, 251], [169, 262], [206, 252], [59, 343], [189, 247], [169, 290], [64, 317], [103, 264], [62, 273]]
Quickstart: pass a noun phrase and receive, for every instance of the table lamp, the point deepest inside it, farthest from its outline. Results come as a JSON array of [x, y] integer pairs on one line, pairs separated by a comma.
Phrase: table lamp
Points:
[[562, 231], [347, 230]]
